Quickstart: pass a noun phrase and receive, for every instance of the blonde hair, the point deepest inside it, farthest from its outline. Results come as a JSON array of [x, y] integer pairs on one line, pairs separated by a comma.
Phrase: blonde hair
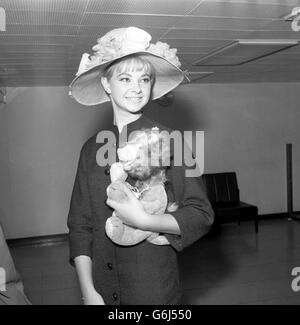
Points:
[[129, 64]]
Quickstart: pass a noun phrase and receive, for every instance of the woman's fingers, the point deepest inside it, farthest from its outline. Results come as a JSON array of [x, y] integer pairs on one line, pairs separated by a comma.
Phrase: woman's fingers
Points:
[[111, 203]]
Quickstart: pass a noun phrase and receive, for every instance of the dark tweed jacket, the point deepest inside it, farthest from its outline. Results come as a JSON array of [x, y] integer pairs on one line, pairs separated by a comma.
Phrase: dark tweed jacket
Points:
[[144, 273]]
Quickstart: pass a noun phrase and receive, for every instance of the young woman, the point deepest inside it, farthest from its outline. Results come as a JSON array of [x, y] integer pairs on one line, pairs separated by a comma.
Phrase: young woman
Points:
[[129, 71]]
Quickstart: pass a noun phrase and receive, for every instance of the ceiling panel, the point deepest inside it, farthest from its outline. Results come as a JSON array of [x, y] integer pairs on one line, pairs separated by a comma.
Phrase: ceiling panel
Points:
[[293, 50], [241, 51], [34, 48], [277, 34], [282, 68], [24, 67], [41, 30], [269, 2], [192, 50], [183, 42], [44, 39], [92, 19], [89, 34], [42, 18], [34, 73], [280, 60], [56, 82], [95, 32], [241, 10], [45, 5], [63, 62], [278, 25], [83, 45], [33, 39], [190, 57], [33, 77], [159, 7], [211, 34], [234, 60], [196, 76], [33, 55], [246, 68], [214, 23]]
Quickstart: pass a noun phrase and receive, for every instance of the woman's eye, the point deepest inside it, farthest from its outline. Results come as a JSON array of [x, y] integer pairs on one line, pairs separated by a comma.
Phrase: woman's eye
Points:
[[145, 80], [125, 79]]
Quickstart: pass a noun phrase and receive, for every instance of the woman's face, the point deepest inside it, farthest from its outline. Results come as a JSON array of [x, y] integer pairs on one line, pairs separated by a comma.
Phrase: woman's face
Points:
[[129, 90]]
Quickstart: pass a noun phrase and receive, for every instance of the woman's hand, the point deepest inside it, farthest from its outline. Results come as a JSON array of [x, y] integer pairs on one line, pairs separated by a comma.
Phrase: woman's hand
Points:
[[132, 213], [92, 297], [131, 210]]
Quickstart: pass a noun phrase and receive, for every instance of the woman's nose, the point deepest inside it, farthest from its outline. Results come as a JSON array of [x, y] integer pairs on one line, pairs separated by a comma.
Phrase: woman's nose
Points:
[[136, 87]]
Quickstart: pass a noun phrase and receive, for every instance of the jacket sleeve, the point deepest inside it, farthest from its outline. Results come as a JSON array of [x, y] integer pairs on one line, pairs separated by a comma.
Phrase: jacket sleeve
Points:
[[79, 217], [195, 214]]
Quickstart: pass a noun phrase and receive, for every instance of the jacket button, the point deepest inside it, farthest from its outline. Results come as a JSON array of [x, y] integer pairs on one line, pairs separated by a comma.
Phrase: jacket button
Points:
[[109, 265], [106, 171], [115, 296]]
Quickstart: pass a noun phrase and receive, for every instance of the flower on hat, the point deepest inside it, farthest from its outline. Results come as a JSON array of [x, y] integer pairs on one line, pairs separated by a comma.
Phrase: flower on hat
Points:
[[124, 41], [135, 40], [118, 43], [83, 63], [163, 49]]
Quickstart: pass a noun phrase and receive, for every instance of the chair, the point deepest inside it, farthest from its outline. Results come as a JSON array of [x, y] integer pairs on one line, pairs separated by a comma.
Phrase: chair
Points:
[[223, 193]]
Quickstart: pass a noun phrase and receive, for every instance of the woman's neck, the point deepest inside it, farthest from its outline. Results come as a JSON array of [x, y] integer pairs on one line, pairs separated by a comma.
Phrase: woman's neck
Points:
[[122, 118]]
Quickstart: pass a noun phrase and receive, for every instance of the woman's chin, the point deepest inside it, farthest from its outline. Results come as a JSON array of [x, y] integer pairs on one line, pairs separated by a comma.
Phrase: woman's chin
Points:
[[135, 109]]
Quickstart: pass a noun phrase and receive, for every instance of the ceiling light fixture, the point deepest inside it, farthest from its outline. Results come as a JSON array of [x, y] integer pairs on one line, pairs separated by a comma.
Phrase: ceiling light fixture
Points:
[[243, 51]]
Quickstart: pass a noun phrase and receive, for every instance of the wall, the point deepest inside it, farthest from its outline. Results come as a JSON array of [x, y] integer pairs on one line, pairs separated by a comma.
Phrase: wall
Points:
[[246, 129], [42, 130]]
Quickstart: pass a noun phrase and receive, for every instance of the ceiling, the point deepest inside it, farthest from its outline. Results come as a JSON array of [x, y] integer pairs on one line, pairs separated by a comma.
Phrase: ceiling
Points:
[[44, 39]]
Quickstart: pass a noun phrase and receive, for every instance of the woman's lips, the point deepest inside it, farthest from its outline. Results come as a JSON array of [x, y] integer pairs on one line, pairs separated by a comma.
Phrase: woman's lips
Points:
[[134, 99]]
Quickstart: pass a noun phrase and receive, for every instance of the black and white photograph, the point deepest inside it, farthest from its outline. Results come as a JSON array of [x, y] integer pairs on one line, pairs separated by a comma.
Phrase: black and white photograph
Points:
[[150, 154]]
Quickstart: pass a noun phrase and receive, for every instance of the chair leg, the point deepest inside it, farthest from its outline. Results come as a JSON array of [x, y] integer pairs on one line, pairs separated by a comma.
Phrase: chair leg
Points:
[[256, 224]]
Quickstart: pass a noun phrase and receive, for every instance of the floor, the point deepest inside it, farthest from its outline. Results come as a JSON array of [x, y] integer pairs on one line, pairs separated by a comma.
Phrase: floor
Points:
[[234, 267]]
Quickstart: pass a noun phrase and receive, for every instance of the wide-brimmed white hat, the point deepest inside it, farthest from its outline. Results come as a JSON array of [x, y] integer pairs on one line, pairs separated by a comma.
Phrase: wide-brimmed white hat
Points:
[[119, 43]]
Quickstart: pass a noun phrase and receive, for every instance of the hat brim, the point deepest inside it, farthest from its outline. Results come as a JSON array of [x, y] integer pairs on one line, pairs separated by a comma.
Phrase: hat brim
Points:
[[87, 88]]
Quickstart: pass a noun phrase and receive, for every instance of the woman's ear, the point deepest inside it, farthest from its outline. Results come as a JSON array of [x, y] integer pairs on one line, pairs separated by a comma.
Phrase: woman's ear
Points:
[[105, 85]]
